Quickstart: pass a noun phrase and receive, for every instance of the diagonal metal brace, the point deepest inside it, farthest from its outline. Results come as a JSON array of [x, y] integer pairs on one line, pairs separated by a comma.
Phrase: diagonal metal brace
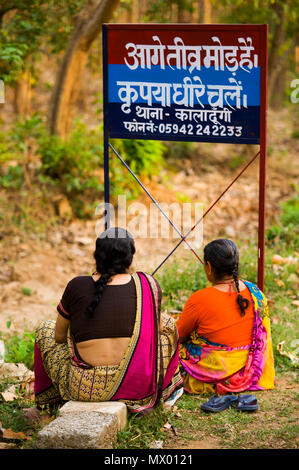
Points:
[[183, 239], [206, 212]]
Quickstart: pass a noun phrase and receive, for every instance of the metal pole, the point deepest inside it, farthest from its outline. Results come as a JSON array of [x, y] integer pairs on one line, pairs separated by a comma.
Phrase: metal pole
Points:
[[106, 182], [106, 134], [263, 157]]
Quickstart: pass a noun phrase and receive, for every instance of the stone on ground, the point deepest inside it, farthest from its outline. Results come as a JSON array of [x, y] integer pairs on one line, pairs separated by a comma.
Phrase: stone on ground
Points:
[[82, 430], [115, 408]]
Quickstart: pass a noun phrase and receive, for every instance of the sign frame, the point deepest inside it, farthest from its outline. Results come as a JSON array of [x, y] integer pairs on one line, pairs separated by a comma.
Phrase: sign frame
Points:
[[262, 30]]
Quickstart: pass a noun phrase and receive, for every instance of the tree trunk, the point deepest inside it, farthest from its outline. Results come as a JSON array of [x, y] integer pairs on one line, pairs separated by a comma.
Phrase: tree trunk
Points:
[[68, 80], [277, 60], [133, 12], [207, 12], [23, 95]]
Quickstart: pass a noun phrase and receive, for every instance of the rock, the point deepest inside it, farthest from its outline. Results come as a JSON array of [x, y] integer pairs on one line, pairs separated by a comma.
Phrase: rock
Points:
[[115, 408], [18, 371], [156, 445], [4, 445], [83, 430], [75, 252], [293, 278], [62, 206], [84, 240], [9, 394], [5, 278], [230, 231], [277, 259]]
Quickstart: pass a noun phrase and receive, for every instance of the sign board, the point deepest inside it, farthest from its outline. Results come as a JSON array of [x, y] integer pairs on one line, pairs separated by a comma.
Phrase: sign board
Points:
[[199, 83], [188, 82]]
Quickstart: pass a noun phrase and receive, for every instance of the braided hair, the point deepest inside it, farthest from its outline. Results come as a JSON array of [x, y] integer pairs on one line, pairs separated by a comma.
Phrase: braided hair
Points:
[[113, 255], [224, 258]]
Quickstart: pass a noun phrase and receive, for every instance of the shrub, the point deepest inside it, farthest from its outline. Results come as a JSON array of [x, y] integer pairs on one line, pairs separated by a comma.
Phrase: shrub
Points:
[[286, 230], [144, 157], [74, 165], [20, 349], [71, 163]]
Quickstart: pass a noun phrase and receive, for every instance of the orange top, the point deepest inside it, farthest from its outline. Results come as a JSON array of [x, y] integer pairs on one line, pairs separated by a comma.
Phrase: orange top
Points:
[[216, 316]]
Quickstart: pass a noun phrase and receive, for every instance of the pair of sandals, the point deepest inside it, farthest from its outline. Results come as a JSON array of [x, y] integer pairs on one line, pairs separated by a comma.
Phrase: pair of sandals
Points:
[[220, 403]]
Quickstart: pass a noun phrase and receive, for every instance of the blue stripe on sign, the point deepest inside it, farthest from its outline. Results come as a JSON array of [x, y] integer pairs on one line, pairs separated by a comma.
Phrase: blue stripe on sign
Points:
[[121, 73]]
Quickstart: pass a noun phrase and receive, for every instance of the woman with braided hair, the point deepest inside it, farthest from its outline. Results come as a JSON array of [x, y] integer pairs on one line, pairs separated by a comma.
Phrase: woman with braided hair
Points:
[[225, 330], [110, 340]]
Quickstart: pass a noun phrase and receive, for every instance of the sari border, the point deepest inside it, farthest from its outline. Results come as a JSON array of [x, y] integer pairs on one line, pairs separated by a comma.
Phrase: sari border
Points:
[[127, 357], [152, 400], [159, 377]]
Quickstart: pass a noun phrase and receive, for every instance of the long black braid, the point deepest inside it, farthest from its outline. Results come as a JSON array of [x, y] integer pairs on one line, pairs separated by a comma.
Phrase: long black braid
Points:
[[243, 303], [113, 255], [224, 258]]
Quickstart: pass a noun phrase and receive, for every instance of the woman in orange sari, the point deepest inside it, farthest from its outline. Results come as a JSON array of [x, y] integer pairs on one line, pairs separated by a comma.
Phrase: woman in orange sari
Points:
[[224, 330]]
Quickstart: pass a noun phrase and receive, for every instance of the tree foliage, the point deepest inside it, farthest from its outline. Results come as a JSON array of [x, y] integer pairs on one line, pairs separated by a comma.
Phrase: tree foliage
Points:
[[29, 28]]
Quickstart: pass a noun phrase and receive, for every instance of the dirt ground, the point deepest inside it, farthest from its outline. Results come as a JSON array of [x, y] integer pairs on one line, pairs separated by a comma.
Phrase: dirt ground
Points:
[[271, 415], [34, 271], [44, 266]]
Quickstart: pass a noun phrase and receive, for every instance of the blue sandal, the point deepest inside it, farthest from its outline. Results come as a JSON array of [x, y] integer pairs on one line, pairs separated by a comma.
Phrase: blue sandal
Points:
[[247, 403], [217, 403]]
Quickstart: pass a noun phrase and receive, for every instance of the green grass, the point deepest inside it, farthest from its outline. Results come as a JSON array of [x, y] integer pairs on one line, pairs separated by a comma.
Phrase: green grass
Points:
[[141, 431], [275, 424], [26, 291], [19, 349]]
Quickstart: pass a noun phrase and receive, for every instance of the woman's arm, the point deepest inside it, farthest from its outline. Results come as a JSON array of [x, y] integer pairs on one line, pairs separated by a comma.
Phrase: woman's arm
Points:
[[61, 328], [63, 318]]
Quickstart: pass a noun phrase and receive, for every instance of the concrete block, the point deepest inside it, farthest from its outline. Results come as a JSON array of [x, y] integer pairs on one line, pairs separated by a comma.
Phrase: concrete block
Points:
[[115, 408], [81, 430]]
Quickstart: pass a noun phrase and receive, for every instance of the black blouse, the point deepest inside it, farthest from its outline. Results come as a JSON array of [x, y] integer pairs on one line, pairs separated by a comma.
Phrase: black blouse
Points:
[[114, 316]]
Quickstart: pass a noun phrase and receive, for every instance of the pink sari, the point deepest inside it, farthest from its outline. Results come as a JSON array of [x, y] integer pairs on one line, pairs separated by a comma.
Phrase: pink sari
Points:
[[147, 373]]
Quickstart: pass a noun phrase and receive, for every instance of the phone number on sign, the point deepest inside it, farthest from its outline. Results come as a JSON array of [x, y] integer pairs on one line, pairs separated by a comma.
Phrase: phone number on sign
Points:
[[185, 129]]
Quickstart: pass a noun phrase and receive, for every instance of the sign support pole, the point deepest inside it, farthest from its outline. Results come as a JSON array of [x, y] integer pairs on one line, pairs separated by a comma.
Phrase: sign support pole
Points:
[[106, 182], [262, 168], [106, 134]]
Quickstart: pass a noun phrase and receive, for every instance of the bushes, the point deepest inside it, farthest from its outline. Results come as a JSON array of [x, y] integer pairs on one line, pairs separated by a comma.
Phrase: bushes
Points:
[[145, 158], [19, 349], [286, 229], [73, 166]]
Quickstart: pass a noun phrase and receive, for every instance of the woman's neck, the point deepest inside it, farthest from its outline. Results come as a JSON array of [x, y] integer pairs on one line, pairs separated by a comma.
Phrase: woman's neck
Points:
[[116, 279], [120, 279], [223, 281]]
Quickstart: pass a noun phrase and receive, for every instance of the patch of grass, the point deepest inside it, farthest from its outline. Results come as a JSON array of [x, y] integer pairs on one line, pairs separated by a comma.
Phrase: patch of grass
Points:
[[272, 426], [141, 431], [12, 418], [12, 415], [26, 291], [19, 349], [275, 424]]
